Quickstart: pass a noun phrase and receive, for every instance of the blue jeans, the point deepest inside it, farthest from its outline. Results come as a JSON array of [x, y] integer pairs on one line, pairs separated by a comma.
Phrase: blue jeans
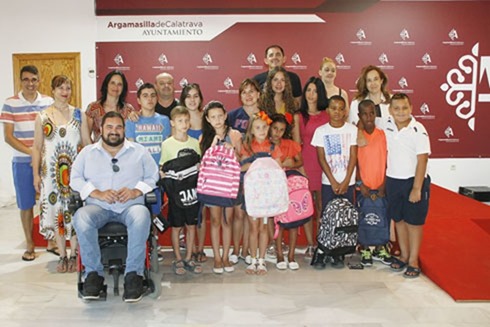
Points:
[[90, 218]]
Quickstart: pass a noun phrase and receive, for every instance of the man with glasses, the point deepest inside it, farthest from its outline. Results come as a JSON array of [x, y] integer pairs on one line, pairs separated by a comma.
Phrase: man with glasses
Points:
[[18, 116], [112, 177]]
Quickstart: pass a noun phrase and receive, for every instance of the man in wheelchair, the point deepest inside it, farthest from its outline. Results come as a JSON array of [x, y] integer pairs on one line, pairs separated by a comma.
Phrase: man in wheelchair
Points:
[[112, 177]]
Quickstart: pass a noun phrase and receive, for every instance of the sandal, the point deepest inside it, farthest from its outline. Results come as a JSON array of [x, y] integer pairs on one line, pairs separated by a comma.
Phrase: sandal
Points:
[[261, 267], [394, 248], [178, 267], [62, 266], [397, 264], [201, 257], [28, 256], [252, 267], [72, 264], [192, 267], [412, 272]]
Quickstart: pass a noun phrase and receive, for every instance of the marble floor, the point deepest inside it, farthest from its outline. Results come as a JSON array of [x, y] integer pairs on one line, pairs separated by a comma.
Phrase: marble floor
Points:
[[33, 294]]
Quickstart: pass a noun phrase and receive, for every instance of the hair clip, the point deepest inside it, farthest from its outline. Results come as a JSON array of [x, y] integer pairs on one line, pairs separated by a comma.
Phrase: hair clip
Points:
[[262, 115], [289, 118]]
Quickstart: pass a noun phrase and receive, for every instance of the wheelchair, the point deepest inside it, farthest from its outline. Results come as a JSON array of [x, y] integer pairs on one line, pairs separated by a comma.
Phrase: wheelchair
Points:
[[113, 243]]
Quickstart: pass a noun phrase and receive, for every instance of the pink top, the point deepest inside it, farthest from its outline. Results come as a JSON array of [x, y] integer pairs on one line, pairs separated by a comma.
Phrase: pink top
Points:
[[310, 159]]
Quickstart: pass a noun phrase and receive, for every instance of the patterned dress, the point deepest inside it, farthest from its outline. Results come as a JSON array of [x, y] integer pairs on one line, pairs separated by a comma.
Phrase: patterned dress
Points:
[[96, 111], [60, 147]]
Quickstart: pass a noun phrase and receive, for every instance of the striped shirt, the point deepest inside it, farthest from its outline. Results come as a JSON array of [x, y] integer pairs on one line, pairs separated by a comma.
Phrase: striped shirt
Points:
[[22, 114]]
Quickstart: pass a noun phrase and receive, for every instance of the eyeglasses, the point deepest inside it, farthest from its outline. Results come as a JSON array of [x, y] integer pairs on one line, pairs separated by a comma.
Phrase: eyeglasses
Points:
[[115, 167], [30, 80]]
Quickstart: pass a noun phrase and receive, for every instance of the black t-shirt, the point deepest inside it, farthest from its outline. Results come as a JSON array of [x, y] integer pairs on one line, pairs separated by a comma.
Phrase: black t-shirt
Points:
[[166, 110], [293, 77]]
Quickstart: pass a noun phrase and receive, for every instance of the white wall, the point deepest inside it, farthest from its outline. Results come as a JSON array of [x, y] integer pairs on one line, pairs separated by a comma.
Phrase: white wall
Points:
[[70, 26], [43, 26]]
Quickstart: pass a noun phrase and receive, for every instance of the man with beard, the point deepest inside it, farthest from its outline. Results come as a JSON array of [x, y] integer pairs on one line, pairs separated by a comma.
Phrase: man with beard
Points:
[[164, 84], [112, 177]]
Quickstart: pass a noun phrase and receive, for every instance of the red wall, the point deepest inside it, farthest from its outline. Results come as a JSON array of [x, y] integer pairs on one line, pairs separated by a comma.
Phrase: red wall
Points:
[[428, 25]]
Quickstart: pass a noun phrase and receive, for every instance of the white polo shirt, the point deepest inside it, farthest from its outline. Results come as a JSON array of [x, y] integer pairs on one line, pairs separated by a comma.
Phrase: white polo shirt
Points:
[[403, 147]]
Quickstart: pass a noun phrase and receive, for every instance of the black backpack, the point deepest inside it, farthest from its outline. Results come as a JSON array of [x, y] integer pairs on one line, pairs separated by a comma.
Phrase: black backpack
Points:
[[180, 181], [337, 235]]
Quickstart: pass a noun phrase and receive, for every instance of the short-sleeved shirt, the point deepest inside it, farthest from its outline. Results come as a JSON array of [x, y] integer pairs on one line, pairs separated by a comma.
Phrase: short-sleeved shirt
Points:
[[22, 114], [289, 149], [166, 110], [171, 148], [238, 119], [403, 147], [293, 77], [371, 159], [337, 143], [384, 111], [96, 111], [150, 132], [264, 146]]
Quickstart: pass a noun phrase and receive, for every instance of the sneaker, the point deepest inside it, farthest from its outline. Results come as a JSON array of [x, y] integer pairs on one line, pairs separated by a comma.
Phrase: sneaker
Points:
[[271, 251], [133, 287], [337, 262], [92, 286], [382, 255], [309, 253], [366, 258]]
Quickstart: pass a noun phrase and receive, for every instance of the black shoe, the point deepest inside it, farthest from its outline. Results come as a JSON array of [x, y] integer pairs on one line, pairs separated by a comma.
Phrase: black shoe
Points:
[[92, 287], [337, 262], [133, 287]]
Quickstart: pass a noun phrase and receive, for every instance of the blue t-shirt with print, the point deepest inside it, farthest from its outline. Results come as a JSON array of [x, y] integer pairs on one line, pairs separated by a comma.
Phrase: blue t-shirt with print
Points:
[[150, 132]]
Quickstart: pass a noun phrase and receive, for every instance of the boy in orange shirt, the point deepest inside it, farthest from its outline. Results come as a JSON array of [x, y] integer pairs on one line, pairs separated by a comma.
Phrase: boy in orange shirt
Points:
[[371, 174]]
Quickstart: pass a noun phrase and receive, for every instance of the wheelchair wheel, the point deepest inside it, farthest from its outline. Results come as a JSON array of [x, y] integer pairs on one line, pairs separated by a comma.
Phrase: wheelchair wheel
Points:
[[154, 264], [155, 285]]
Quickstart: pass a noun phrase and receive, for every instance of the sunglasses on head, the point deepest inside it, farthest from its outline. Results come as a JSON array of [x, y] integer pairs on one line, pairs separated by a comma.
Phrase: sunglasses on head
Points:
[[115, 167]]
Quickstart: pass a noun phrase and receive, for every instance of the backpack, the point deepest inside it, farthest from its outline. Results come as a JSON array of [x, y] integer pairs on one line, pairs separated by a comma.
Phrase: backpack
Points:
[[219, 177], [374, 226], [266, 189], [300, 207], [337, 234], [180, 179]]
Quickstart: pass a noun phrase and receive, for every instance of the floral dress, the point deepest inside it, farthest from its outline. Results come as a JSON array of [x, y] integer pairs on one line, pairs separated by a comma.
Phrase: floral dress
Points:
[[61, 145], [96, 111]]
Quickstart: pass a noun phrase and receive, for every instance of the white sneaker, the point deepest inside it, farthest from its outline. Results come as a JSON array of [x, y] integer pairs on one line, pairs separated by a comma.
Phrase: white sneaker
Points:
[[271, 251]]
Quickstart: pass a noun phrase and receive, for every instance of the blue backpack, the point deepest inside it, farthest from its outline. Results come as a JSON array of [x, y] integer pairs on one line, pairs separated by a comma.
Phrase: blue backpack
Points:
[[374, 225]]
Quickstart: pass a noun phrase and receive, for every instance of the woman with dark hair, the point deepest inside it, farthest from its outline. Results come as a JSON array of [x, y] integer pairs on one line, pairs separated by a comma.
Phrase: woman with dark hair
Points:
[[191, 97], [371, 85], [278, 95], [113, 92], [57, 141], [310, 116]]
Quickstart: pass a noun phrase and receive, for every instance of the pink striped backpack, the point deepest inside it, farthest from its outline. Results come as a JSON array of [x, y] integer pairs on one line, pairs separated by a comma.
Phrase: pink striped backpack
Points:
[[219, 177], [266, 189], [300, 207]]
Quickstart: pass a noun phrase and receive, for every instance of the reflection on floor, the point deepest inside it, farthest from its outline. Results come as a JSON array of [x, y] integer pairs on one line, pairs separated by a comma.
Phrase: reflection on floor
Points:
[[33, 294]]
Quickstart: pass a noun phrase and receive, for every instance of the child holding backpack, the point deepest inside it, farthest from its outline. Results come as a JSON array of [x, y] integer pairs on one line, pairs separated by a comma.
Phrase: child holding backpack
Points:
[[181, 145], [336, 144], [280, 136], [256, 144], [216, 131]]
